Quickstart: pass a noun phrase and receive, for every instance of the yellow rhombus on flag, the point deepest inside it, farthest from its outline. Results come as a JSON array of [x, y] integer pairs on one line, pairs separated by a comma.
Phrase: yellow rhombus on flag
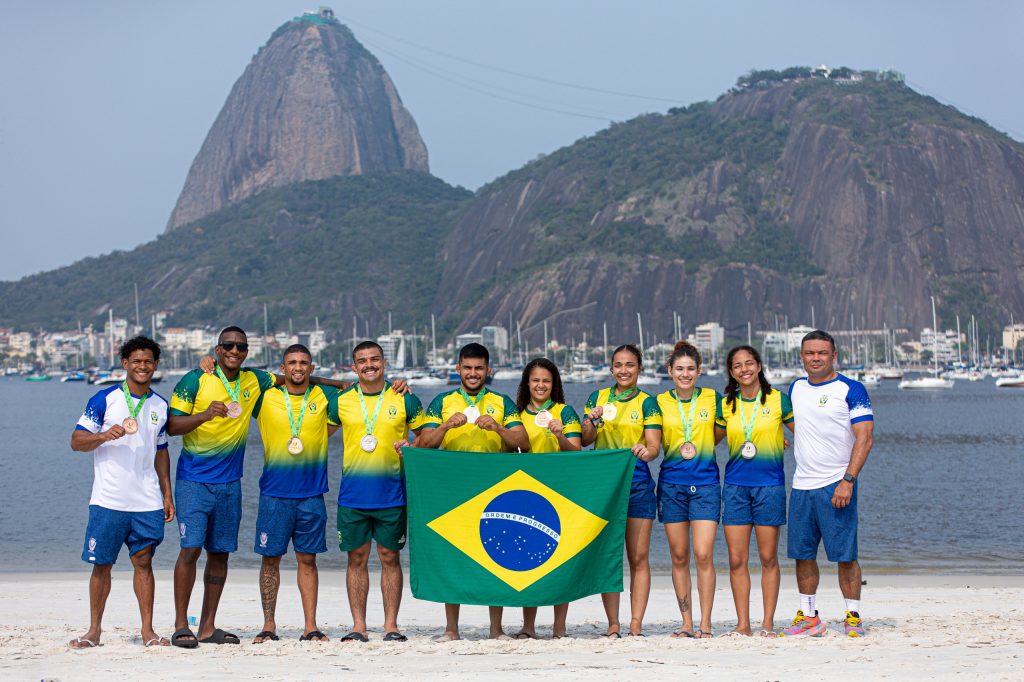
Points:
[[461, 527]]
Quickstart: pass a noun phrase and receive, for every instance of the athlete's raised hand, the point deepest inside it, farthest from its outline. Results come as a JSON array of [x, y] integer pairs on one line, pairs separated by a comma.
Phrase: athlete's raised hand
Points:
[[400, 387], [595, 413], [208, 364], [216, 409], [487, 423], [555, 427], [456, 420], [113, 433]]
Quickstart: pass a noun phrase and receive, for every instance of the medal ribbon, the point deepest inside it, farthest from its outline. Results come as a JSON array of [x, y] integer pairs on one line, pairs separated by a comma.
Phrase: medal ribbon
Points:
[[465, 396], [233, 392], [614, 397], [371, 423], [748, 427], [133, 409], [295, 424], [546, 405], [688, 422]]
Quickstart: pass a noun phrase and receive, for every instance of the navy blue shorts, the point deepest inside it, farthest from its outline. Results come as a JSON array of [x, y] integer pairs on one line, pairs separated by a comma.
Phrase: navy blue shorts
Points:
[[109, 529], [303, 521], [813, 519], [678, 503], [642, 501], [209, 514], [745, 505]]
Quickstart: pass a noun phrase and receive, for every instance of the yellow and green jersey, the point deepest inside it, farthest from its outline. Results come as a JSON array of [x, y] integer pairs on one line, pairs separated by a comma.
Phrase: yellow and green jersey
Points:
[[468, 437], [541, 439], [768, 466], [284, 474], [706, 408], [374, 480], [640, 411], [213, 452]]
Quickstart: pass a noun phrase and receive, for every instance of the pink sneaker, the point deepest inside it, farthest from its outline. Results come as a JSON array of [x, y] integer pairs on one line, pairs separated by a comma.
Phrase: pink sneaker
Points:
[[853, 625], [802, 625]]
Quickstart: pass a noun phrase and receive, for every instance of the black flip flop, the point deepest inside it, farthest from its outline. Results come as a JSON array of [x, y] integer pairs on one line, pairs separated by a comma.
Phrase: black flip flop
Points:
[[355, 637], [612, 635], [221, 637], [265, 636], [683, 634], [177, 639], [314, 636], [395, 637]]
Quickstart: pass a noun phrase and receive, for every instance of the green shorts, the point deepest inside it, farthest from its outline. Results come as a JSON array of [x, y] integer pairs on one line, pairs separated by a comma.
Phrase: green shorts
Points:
[[357, 526]]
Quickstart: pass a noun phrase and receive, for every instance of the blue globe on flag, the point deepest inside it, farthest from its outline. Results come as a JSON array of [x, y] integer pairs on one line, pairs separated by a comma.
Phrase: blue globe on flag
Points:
[[520, 530]]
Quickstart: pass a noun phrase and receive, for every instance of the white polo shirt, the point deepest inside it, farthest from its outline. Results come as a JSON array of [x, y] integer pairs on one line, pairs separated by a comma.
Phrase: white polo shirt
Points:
[[824, 415], [124, 475]]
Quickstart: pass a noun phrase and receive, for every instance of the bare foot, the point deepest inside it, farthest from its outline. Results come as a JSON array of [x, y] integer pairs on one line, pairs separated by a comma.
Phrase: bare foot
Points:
[[500, 634], [559, 633], [447, 636], [526, 633]]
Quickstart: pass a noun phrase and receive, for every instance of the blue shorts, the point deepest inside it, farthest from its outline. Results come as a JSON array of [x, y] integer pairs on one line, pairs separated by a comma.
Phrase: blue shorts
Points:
[[302, 520], [813, 519], [745, 505], [109, 529], [209, 514], [642, 501], [678, 503]]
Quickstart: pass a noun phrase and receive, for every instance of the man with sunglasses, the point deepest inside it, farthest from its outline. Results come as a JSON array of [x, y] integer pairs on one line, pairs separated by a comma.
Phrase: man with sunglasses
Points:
[[211, 412]]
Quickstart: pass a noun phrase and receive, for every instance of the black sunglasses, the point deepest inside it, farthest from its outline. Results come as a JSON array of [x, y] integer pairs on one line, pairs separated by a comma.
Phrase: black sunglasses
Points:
[[231, 345]]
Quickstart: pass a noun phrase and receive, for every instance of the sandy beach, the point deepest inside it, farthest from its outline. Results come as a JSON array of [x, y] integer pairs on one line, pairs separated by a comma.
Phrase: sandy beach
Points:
[[920, 627]]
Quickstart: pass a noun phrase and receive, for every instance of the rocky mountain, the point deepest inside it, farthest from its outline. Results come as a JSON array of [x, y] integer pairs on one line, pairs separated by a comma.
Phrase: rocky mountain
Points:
[[313, 103], [856, 197], [359, 245]]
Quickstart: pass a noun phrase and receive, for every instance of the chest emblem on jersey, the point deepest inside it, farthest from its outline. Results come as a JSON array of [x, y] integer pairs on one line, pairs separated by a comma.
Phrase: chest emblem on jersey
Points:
[[393, 411], [490, 410], [766, 411], [703, 415], [245, 394], [153, 418], [634, 416], [822, 401], [312, 407]]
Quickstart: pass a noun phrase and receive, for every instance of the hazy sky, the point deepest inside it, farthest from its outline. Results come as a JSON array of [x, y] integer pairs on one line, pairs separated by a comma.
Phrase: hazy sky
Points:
[[103, 105]]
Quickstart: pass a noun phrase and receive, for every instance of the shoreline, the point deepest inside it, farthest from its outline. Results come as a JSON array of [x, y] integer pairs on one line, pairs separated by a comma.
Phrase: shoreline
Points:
[[919, 627]]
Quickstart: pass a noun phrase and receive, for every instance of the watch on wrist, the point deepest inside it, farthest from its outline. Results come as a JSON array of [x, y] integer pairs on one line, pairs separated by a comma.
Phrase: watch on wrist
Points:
[[849, 478]]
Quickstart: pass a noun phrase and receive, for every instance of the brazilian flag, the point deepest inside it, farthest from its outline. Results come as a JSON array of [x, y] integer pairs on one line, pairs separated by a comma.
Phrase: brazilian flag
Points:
[[510, 529]]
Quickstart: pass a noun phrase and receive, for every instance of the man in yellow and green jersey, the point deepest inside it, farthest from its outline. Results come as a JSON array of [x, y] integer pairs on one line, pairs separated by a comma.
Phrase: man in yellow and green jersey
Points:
[[375, 423], [295, 421], [473, 419]]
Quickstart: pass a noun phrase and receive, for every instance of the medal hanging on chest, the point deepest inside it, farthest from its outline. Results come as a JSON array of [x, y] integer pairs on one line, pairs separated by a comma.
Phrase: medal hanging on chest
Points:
[[749, 450], [368, 443], [131, 423], [233, 388], [688, 450], [472, 412], [295, 445], [543, 417]]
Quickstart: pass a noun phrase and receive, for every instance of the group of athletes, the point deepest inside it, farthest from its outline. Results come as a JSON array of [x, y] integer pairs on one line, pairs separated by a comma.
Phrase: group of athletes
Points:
[[126, 427]]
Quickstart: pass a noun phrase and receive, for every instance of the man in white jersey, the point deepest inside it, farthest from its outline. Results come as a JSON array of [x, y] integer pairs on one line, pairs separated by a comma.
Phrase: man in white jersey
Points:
[[834, 425], [124, 425]]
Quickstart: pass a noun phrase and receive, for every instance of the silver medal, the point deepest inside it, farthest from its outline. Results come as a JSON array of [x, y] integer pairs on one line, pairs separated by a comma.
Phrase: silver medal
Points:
[[748, 450], [295, 446], [472, 414], [609, 411], [368, 442]]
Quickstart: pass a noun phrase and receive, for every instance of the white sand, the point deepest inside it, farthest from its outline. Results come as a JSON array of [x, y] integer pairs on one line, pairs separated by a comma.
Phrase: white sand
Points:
[[920, 627]]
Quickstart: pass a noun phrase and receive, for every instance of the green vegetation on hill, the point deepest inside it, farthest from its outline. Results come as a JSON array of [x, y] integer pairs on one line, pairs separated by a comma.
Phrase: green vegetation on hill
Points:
[[344, 246]]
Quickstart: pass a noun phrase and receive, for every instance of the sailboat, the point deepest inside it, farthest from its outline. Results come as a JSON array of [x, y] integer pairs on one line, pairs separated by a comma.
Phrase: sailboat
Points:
[[934, 381]]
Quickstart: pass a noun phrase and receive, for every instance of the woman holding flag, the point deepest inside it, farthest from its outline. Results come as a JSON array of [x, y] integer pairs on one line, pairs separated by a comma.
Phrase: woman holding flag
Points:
[[754, 494], [552, 426], [623, 416], [689, 496]]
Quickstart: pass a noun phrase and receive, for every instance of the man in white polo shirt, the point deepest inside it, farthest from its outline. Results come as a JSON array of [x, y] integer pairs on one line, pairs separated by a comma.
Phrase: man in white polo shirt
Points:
[[124, 425], [834, 425]]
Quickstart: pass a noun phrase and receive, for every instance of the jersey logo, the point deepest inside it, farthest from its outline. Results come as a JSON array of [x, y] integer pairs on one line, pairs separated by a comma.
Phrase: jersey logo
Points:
[[181, 529], [634, 416], [263, 540], [822, 401], [245, 394], [312, 407], [519, 530], [766, 411], [490, 410], [393, 411], [153, 418], [703, 415], [92, 544]]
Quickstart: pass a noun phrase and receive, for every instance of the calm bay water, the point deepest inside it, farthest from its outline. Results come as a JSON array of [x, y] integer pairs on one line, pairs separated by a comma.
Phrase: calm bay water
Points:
[[940, 492]]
